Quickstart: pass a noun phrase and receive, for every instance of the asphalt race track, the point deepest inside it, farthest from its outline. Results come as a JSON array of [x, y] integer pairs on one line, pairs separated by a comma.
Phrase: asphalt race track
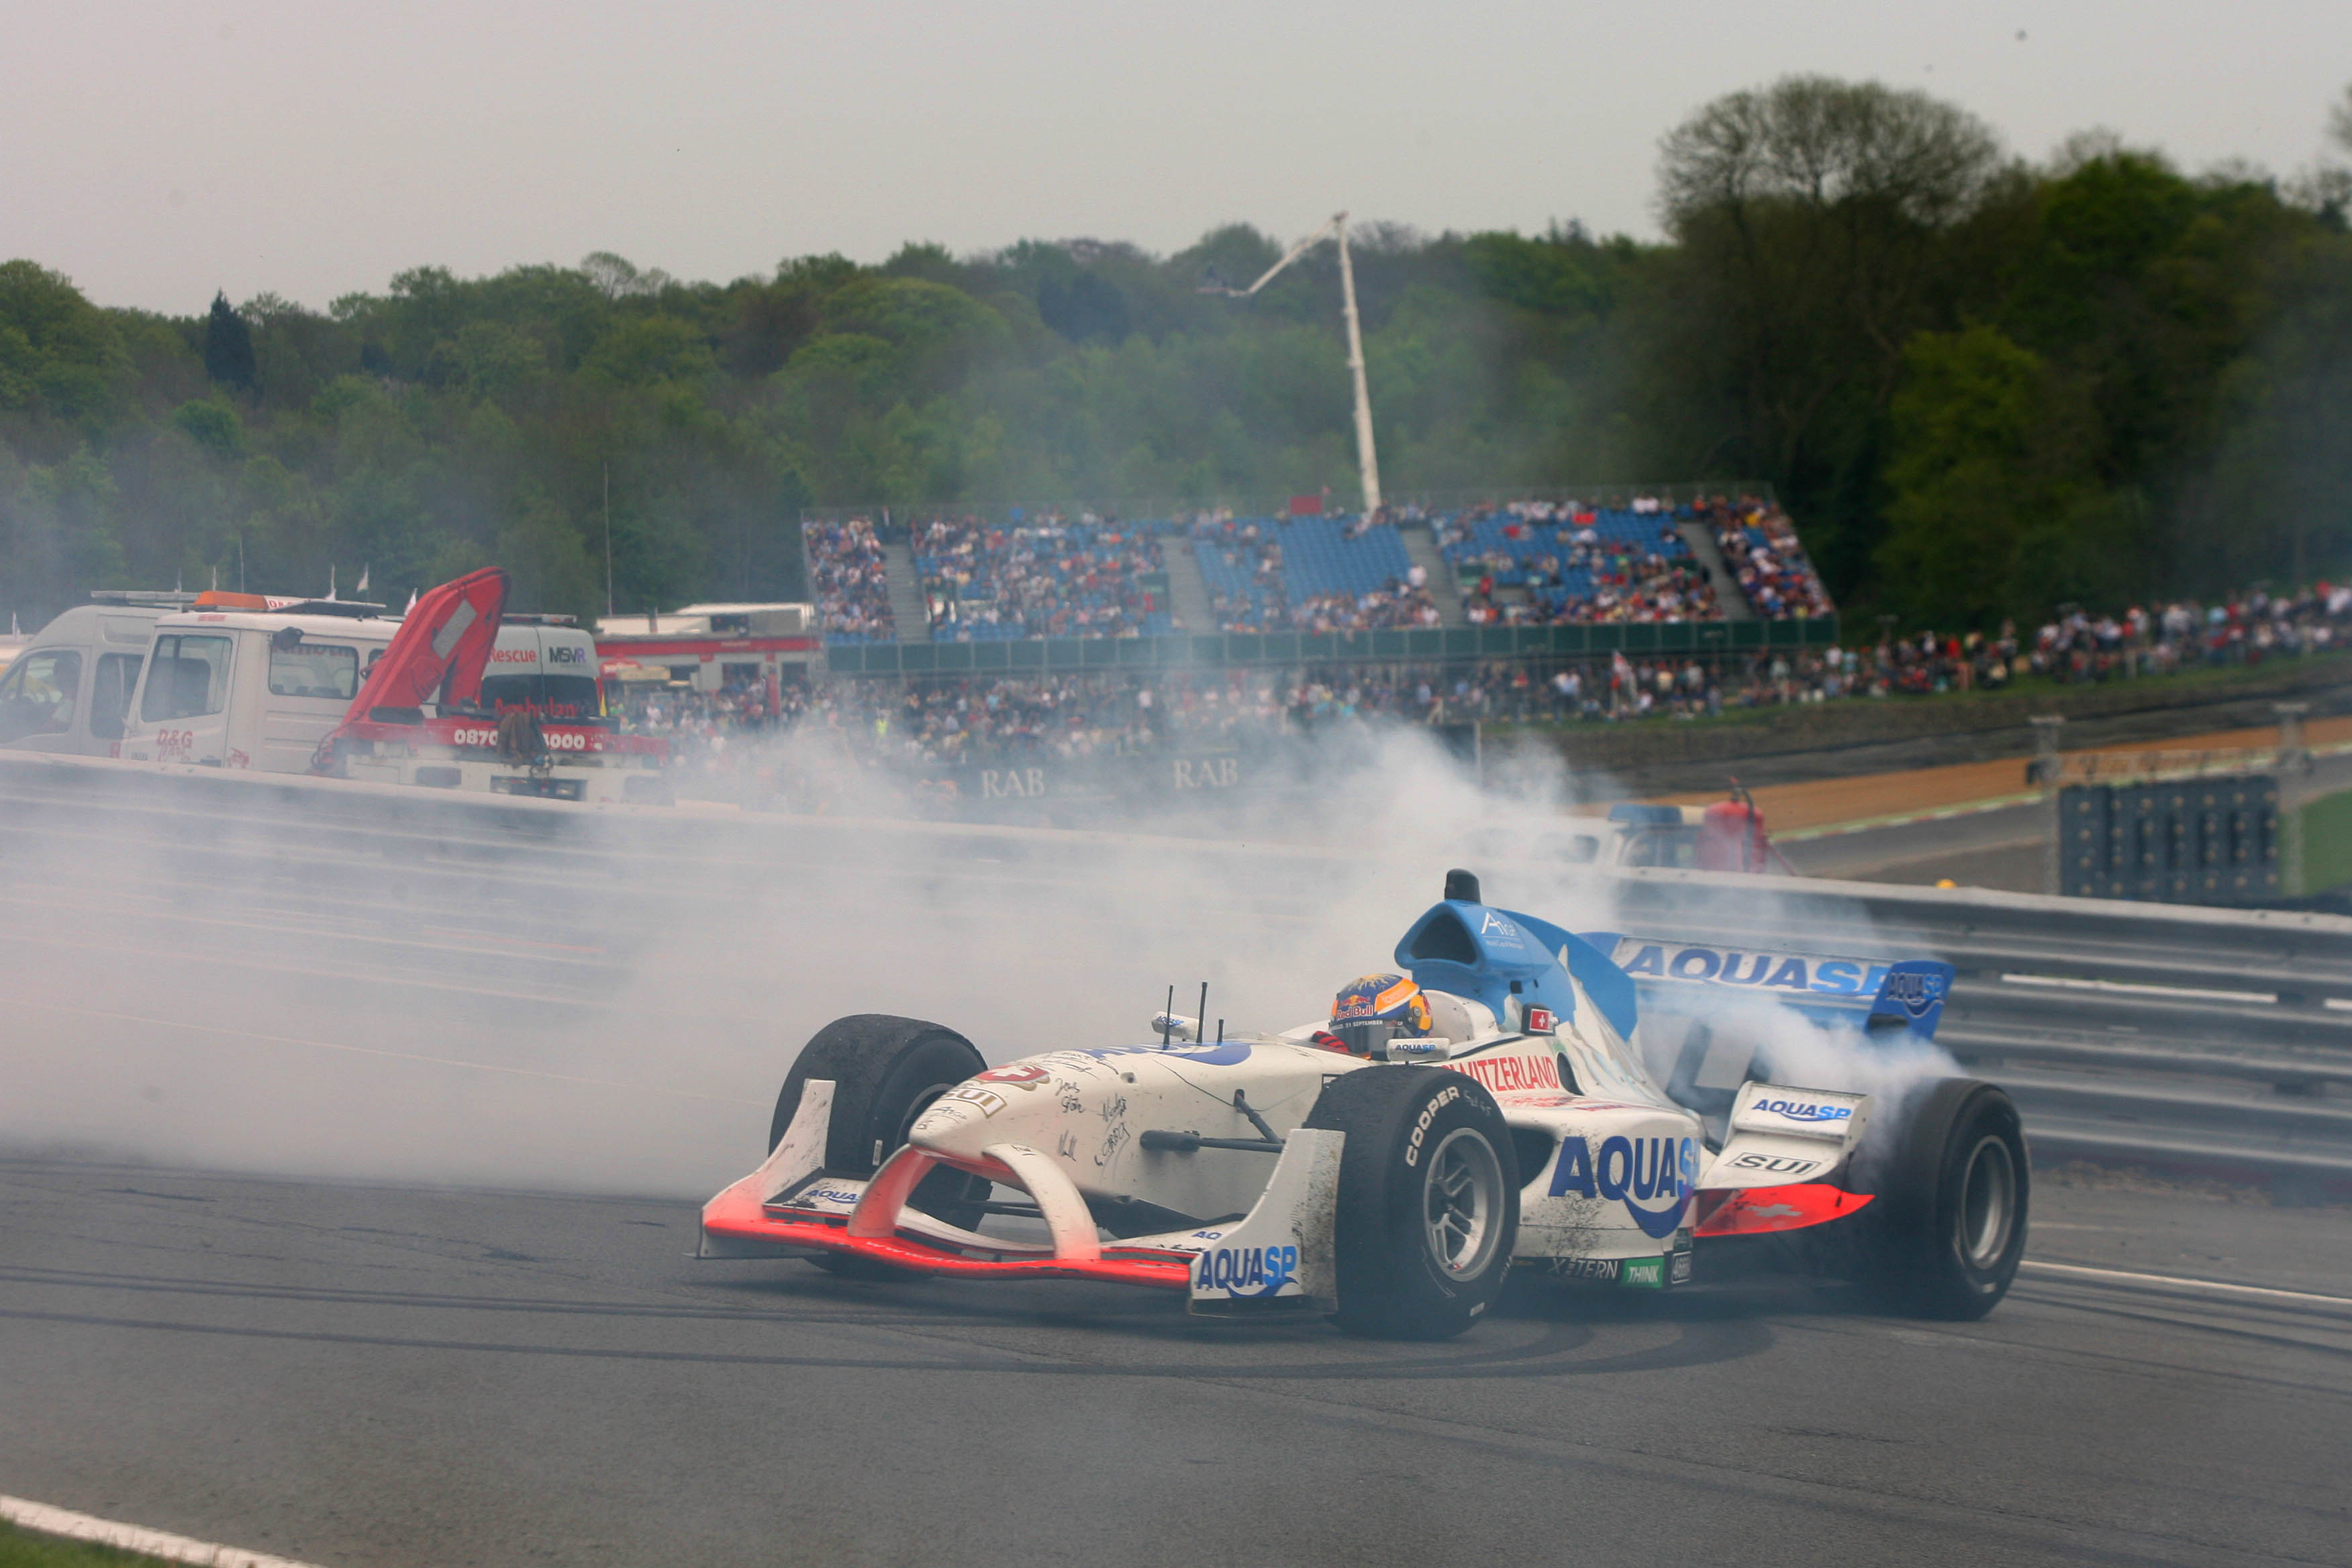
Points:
[[1998, 849], [494, 1368], [365, 1374]]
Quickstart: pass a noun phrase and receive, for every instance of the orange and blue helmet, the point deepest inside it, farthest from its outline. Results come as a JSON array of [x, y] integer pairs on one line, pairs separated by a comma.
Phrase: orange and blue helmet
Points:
[[1372, 1009]]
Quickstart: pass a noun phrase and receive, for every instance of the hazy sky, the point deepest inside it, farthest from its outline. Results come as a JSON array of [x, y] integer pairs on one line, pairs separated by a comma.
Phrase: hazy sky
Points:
[[156, 153]]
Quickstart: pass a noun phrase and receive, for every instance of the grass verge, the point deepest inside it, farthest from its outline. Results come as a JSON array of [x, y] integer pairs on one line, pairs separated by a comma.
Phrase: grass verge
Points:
[[24, 1549]]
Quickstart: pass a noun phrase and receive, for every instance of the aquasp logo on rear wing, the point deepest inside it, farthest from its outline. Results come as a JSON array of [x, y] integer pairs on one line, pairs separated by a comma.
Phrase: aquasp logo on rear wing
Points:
[[1790, 974], [1915, 991]]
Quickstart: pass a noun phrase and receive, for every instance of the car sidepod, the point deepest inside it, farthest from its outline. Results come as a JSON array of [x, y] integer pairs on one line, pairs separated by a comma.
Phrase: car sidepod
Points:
[[1611, 1198]]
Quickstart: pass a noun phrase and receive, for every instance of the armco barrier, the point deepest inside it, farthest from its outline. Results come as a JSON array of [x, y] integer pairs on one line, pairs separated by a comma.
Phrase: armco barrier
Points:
[[2173, 1036], [2218, 1041]]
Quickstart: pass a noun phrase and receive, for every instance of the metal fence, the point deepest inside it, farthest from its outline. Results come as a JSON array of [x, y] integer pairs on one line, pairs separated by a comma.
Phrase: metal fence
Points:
[[895, 515], [1703, 639], [2218, 1041]]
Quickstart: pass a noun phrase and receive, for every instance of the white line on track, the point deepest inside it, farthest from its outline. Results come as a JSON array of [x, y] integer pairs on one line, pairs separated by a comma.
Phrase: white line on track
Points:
[[2132, 988], [41, 1518], [2252, 1293]]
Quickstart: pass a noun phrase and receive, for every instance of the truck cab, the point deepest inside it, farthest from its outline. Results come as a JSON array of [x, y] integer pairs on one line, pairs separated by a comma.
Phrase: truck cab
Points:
[[545, 664], [237, 684]]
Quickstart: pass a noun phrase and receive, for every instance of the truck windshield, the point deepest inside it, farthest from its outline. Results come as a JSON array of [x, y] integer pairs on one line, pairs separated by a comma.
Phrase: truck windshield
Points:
[[314, 670], [189, 678], [38, 697]]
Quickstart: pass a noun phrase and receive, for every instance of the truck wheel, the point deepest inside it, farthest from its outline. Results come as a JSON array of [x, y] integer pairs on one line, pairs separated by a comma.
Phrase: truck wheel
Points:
[[885, 1072], [1951, 1203], [1428, 1201]]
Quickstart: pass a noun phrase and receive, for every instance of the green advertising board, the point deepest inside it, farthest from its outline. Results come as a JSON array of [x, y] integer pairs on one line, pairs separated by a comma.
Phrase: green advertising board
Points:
[[1216, 650]]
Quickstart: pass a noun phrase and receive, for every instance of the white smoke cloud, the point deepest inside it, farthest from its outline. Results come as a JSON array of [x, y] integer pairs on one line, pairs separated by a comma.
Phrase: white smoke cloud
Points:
[[616, 1015]]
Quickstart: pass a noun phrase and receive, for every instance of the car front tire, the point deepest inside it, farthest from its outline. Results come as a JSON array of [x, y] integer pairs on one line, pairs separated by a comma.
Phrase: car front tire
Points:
[[1428, 1205]]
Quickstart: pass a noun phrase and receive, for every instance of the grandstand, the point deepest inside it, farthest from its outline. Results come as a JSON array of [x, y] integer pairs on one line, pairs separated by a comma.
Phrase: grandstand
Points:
[[1761, 547], [1053, 577], [1596, 564], [1510, 570], [1315, 574], [849, 579]]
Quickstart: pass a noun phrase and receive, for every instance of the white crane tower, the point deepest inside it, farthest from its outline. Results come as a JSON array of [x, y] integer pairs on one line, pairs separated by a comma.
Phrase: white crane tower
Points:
[[1368, 461]]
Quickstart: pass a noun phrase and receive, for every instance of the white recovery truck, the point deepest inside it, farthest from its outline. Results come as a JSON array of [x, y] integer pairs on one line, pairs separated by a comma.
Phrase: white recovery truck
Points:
[[454, 695]]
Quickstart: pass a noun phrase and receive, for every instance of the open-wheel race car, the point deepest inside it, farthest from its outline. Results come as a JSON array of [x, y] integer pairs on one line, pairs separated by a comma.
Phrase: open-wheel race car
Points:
[[1487, 1107]]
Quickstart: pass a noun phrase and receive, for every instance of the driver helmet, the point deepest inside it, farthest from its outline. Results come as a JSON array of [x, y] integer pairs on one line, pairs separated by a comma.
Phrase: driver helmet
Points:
[[1373, 1009]]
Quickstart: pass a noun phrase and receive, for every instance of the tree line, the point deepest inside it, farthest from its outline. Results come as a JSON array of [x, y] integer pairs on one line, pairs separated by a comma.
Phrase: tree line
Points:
[[1983, 386]]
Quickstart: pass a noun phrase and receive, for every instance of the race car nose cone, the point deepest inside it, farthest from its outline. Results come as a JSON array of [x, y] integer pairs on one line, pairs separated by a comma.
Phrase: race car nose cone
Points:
[[957, 1124]]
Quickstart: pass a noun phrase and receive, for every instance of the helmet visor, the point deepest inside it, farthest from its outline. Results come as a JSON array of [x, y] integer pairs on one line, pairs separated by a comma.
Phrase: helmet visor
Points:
[[1371, 1037]]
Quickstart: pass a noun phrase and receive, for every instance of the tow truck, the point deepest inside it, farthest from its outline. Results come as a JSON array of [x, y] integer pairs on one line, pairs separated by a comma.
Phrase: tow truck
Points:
[[1727, 836], [336, 688]]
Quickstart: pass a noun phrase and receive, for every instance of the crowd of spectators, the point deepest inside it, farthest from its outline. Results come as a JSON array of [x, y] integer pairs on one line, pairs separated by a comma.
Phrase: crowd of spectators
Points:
[[1762, 551], [1540, 563], [1405, 604], [849, 581], [1522, 562], [1241, 567], [823, 746], [2078, 647], [1051, 577]]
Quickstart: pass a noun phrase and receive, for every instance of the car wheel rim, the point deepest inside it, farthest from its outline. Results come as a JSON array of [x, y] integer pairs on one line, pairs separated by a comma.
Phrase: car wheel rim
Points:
[[1987, 1201], [1462, 1203]]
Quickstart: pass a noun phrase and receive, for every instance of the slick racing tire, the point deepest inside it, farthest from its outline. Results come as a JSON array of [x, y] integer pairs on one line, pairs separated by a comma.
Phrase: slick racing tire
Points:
[[1428, 1202], [1947, 1225], [885, 1072]]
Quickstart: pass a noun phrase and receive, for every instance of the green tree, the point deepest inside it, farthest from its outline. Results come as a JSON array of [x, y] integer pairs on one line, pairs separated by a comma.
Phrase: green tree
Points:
[[1812, 222], [60, 357], [229, 346], [1995, 510]]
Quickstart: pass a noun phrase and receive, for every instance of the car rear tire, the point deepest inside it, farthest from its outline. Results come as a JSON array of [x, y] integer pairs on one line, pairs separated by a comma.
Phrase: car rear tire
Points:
[[1947, 1225], [1428, 1204], [885, 1072]]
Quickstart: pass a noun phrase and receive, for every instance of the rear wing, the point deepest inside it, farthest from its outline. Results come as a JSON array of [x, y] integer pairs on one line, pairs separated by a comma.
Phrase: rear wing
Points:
[[1715, 1018], [1877, 996]]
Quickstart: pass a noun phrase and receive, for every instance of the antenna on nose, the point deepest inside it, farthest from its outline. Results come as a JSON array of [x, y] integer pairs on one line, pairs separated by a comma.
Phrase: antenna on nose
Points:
[[1462, 887]]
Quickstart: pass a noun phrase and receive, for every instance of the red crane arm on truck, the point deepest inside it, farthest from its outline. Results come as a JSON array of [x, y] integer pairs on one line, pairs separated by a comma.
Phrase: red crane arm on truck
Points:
[[441, 649], [439, 655]]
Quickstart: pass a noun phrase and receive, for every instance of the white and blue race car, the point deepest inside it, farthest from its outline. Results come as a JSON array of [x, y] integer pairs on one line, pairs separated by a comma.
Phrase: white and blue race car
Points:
[[1393, 1182]]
